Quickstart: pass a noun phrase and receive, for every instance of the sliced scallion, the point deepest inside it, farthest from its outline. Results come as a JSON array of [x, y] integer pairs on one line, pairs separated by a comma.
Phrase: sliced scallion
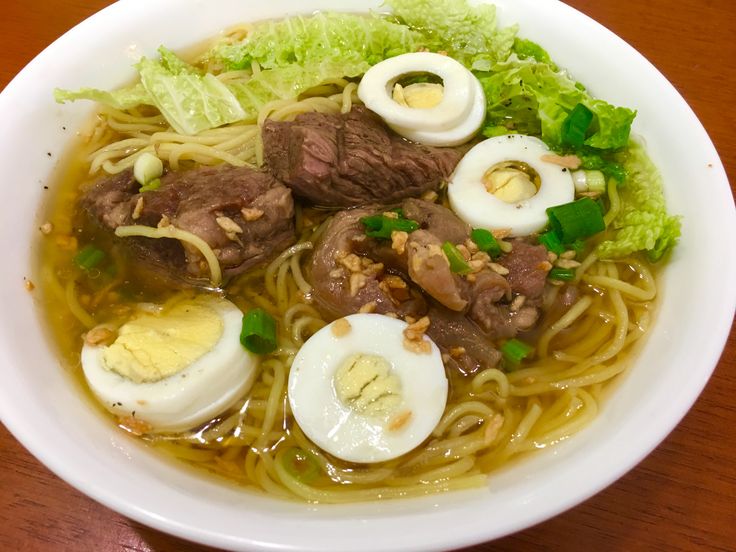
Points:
[[515, 350], [486, 241], [578, 246], [300, 464], [381, 226], [564, 274], [551, 241], [589, 181], [575, 126], [89, 257], [458, 264], [152, 185], [576, 220], [258, 334]]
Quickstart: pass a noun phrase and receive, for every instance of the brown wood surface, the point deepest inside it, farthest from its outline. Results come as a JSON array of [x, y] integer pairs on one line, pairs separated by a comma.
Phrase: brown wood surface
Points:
[[682, 497]]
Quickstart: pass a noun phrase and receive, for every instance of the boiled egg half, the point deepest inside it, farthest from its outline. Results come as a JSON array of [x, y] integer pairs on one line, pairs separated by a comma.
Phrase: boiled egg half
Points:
[[175, 367], [435, 114], [364, 394], [507, 183]]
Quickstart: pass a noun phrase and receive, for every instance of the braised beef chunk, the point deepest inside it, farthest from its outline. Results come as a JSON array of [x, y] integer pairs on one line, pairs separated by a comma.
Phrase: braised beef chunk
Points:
[[351, 271], [352, 159], [528, 267], [344, 282], [244, 215]]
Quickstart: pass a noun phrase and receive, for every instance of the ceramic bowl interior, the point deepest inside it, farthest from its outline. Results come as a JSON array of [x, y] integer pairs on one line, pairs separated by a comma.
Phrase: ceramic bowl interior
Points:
[[44, 410]]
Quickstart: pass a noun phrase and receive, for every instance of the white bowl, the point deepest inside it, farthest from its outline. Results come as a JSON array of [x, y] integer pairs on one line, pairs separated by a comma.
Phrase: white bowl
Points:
[[41, 407]]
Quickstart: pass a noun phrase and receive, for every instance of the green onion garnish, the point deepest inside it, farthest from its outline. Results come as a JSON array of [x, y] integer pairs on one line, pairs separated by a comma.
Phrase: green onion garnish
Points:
[[551, 241], [485, 241], [259, 332], [300, 464], [381, 226], [577, 219], [578, 246], [576, 125], [89, 257], [458, 264], [150, 186], [514, 351], [564, 274]]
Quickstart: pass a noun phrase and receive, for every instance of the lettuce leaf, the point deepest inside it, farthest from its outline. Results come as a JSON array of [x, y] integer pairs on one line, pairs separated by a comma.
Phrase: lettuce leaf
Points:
[[290, 81], [190, 101], [643, 223], [467, 33], [333, 37], [124, 98], [530, 97]]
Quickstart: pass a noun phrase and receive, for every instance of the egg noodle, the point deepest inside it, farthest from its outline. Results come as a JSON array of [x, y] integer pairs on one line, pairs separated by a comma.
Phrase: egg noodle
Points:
[[491, 416]]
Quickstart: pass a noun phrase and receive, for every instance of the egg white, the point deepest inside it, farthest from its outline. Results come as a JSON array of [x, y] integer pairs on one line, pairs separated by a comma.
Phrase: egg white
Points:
[[344, 432], [376, 88], [472, 202], [196, 394], [463, 131]]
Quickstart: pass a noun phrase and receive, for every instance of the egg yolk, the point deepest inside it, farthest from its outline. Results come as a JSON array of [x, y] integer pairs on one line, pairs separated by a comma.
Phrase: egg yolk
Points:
[[365, 383], [510, 183], [152, 347], [420, 95]]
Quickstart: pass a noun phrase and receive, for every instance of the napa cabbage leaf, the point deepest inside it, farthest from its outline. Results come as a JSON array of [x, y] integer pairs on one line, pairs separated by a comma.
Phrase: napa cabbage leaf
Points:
[[470, 34], [643, 223], [532, 97]]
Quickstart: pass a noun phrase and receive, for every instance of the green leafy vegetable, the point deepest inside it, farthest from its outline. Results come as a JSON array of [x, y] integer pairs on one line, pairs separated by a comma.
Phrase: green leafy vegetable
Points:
[[467, 33], [458, 264], [290, 81], [602, 161], [308, 41], [485, 241], [190, 102], [258, 334], [643, 223], [125, 98], [381, 226], [530, 97], [525, 48]]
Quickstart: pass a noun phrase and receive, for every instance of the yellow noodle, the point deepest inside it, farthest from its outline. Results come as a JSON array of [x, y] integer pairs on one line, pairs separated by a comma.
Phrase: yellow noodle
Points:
[[459, 410], [568, 318], [75, 308], [177, 234], [275, 264], [615, 202], [623, 287]]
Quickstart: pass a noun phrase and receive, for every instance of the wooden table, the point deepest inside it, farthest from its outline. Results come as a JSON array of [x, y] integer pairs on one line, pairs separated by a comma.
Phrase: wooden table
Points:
[[682, 497]]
